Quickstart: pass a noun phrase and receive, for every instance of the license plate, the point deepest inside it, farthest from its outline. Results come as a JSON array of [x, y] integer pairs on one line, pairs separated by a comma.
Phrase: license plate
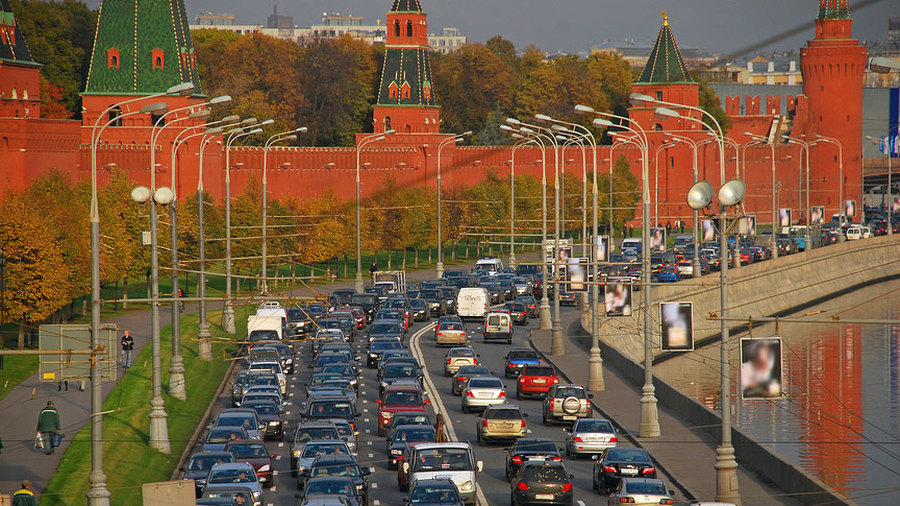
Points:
[[569, 417], [544, 497], [540, 380], [484, 394], [629, 472]]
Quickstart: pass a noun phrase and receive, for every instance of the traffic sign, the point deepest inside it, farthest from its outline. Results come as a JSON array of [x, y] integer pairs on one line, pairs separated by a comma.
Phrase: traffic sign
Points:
[[76, 337]]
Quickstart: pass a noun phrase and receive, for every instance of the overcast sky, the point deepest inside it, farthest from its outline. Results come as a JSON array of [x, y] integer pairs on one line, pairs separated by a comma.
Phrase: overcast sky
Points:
[[576, 25]]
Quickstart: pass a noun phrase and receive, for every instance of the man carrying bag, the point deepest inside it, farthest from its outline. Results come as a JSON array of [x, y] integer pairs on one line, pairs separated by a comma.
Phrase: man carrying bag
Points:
[[48, 427]]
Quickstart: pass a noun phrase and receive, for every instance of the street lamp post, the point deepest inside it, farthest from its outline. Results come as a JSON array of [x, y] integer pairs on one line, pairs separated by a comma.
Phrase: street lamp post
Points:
[[805, 145], [98, 494], [774, 189], [649, 410], [358, 285], [832, 140], [439, 267], [512, 196], [289, 136], [659, 148], [890, 194], [695, 216], [204, 347]]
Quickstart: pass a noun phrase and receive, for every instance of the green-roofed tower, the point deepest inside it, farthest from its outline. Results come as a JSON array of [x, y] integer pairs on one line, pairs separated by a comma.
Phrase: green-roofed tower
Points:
[[141, 47], [20, 88], [406, 100], [666, 78]]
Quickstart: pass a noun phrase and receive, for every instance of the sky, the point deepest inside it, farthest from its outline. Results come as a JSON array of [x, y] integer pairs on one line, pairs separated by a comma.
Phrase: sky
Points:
[[722, 26]]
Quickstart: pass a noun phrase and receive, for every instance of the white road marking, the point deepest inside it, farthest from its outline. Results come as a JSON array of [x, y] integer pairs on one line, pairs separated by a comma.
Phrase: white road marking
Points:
[[437, 403], [581, 503], [374, 485], [278, 458], [365, 410], [366, 420], [369, 443], [368, 431], [376, 502], [371, 456]]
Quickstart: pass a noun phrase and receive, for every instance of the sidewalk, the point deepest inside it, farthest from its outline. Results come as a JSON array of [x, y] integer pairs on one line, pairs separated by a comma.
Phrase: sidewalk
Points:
[[685, 455]]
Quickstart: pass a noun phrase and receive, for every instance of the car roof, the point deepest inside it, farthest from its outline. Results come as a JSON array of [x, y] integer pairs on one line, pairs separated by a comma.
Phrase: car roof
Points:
[[232, 465], [210, 454], [335, 459], [438, 446]]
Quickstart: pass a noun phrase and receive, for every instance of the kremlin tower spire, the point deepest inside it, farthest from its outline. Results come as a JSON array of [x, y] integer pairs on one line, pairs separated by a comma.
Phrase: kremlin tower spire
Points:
[[406, 101]]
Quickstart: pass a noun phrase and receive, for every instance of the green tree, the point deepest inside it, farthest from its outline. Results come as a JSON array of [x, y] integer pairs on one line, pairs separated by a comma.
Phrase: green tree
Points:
[[709, 102], [626, 193]]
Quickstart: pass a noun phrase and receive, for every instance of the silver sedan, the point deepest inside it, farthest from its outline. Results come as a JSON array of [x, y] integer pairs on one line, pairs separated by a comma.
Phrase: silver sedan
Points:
[[590, 436], [482, 392]]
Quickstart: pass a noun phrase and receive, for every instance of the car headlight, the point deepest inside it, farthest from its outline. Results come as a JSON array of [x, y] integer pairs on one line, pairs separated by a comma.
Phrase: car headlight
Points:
[[296, 454], [467, 487], [274, 423], [387, 414], [264, 468], [373, 355], [396, 452], [360, 487]]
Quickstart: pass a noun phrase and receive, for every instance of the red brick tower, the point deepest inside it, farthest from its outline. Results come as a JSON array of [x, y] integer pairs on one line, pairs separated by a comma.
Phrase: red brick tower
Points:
[[20, 88], [833, 66], [406, 101]]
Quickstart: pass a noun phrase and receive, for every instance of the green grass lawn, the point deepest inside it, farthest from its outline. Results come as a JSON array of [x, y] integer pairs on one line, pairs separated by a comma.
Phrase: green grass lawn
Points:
[[15, 369], [128, 461]]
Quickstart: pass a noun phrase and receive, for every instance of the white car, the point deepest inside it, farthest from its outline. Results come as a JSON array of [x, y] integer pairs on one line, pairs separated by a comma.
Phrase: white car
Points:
[[482, 392], [857, 232], [274, 368], [591, 436], [641, 491]]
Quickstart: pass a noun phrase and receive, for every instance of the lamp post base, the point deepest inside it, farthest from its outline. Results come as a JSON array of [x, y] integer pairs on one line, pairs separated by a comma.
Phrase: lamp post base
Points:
[[512, 260], [726, 475], [439, 270], [358, 284], [649, 413], [204, 348], [546, 324], [176, 378], [595, 371], [228, 318], [159, 431], [264, 288], [557, 344], [98, 495]]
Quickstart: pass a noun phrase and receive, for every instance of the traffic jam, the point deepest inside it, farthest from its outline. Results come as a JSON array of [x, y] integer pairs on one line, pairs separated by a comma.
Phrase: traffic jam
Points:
[[423, 393]]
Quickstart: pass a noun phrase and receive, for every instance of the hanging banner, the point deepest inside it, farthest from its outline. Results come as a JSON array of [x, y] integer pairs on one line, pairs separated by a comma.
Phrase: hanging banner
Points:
[[747, 225], [818, 215], [602, 249], [784, 217], [618, 297], [677, 326], [709, 230], [576, 273], [850, 208], [657, 239], [761, 368]]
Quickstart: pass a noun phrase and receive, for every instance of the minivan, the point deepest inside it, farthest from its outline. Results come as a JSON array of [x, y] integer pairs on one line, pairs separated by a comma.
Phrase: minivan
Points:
[[455, 461], [473, 302], [635, 243], [498, 326], [491, 265]]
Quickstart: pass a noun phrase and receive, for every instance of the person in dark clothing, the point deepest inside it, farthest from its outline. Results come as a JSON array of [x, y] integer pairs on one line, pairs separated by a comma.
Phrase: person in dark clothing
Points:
[[681, 225], [624, 230], [127, 348], [374, 268], [668, 228], [48, 425], [24, 497]]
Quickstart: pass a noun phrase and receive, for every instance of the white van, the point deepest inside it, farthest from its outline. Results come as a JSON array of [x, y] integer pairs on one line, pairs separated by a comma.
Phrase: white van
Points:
[[636, 243], [856, 232], [498, 326], [473, 302], [491, 265], [455, 461], [266, 321]]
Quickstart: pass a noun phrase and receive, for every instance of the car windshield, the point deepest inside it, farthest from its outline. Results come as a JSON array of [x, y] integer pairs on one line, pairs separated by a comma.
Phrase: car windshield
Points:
[[571, 392], [205, 462], [264, 408], [263, 335], [411, 420], [503, 414], [329, 487], [525, 445], [485, 383], [416, 435], [626, 455], [316, 450], [260, 397], [311, 433], [403, 397], [248, 451], [594, 426], [539, 371], [331, 359], [518, 355], [330, 409], [245, 421], [221, 436], [645, 487], [473, 369], [450, 326], [386, 345], [399, 371], [231, 476], [349, 469], [441, 494], [452, 459], [362, 300], [260, 379], [384, 328], [320, 378], [461, 352], [544, 474]]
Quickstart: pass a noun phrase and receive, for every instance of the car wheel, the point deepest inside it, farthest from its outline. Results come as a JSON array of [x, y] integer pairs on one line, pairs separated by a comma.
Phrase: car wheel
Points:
[[480, 439], [462, 407], [518, 394], [568, 451]]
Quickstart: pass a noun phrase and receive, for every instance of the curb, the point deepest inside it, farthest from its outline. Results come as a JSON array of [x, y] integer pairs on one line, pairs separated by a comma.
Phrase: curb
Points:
[[630, 437]]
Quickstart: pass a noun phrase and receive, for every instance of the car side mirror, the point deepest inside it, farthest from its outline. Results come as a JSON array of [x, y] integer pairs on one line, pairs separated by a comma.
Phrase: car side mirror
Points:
[[567, 429], [671, 492], [595, 457], [182, 469], [590, 396], [304, 473], [524, 415], [378, 401], [479, 466], [365, 471]]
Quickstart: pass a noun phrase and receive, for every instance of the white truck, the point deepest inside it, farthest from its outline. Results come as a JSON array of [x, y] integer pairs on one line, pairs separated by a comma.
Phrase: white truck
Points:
[[267, 324], [473, 302], [395, 281]]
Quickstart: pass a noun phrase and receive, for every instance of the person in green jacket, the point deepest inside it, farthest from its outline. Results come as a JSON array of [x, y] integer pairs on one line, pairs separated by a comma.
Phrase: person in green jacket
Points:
[[24, 497], [48, 425]]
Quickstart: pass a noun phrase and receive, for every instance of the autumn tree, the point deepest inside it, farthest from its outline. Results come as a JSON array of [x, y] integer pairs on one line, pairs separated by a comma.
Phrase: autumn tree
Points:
[[710, 102], [626, 191]]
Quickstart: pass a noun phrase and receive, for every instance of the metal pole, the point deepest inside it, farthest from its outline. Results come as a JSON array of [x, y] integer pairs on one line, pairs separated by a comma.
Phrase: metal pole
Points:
[[176, 365], [890, 205], [695, 218], [228, 313], [809, 224], [557, 345], [726, 465], [649, 412], [358, 285], [774, 205], [595, 362], [545, 323], [264, 285], [204, 346], [159, 430]]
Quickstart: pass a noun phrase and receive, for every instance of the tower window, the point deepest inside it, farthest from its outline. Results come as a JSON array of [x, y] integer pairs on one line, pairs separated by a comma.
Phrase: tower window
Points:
[[396, 28], [387, 123], [409, 29], [158, 57], [113, 58], [115, 116], [659, 95]]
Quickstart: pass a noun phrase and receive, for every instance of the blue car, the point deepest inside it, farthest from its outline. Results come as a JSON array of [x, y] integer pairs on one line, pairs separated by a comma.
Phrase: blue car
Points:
[[517, 358], [668, 274]]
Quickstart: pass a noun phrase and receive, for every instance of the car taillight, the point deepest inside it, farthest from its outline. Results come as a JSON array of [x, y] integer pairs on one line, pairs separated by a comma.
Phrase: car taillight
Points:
[[461, 379], [577, 439], [609, 469], [567, 487], [470, 394], [502, 394], [516, 459], [448, 360], [522, 485], [523, 423], [552, 403], [613, 440], [484, 422], [440, 334], [626, 500], [648, 470], [666, 501], [556, 380]]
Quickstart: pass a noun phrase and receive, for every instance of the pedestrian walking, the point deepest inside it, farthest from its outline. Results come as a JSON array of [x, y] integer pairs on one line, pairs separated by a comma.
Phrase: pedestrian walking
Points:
[[668, 228], [624, 230], [681, 225], [24, 497], [127, 347], [630, 230], [48, 426]]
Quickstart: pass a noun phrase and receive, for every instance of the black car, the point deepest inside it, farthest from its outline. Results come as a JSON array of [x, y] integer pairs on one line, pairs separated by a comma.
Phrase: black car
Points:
[[542, 482], [527, 450], [618, 463], [380, 346], [398, 370], [421, 311], [403, 437], [530, 303], [344, 296], [464, 374], [270, 415], [385, 328], [340, 466], [436, 301], [517, 312], [198, 465], [435, 492]]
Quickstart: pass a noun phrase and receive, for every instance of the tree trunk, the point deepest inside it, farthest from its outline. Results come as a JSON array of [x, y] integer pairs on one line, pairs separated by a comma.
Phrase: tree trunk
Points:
[[453, 254], [125, 293], [390, 256], [345, 266], [21, 336], [84, 305], [147, 280], [429, 256], [404, 260], [490, 250], [417, 258], [293, 273]]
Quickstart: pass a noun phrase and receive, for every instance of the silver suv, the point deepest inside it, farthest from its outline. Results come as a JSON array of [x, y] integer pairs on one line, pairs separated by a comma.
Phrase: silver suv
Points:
[[566, 403]]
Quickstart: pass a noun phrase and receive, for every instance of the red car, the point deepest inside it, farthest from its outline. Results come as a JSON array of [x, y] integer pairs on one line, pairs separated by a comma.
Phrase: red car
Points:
[[536, 379], [397, 398], [255, 454]]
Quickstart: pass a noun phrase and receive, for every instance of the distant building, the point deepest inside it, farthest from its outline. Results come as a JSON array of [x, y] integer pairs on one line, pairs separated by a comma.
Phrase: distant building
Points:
[[893, 34], [774, 71], [212, 19], [338, 25], [449, 41], [280, 22], [637, 56]]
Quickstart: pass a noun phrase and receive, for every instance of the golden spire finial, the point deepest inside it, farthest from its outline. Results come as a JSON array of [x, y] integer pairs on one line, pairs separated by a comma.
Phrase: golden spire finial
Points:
[[665, 17]]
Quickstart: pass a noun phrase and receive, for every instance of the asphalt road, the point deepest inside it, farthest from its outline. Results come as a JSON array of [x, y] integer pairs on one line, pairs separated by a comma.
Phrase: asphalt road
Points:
[[383, 489]]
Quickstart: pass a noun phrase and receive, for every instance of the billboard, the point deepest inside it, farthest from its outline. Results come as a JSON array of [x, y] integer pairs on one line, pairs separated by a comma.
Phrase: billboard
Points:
[[818, 215], [761, 368], [576, 274], [657, 239], [676, 326], [602, 249], [618, 297], [784, 217], [747, 225], [563, 254], [708, 229], [76, 337], [850, 208]]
